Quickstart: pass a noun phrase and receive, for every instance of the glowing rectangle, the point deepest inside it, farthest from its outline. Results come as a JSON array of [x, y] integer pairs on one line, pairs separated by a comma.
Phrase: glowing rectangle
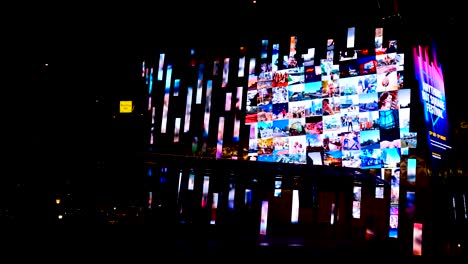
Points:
[[176, 87], [332, 214], [295, 207], [292, 46], [199, 94], [191, 180], [150, 199], [242, 61], [235, 136], [206, 186], [161, 66], [177, 130], [264, 51], [248, 197], [214, 205], [225, 73], [231, 195], [188, 109], [264, 218], [219, 144], [252, 66], [411, 172], [351, 38], [417, 239], [357, 201], [126, 106], [275, 57], [167, 90], [227, 103], [150, 85], [206, 119]]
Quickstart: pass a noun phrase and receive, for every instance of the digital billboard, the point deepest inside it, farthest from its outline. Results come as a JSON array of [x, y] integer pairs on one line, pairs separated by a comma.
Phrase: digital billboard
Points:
[[432, 93]]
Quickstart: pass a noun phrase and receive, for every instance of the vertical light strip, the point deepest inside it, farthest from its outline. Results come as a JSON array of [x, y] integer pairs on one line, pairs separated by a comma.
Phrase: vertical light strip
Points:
[[231, 195], [248, 197], [150, 85], [167, 90], [356, 201], [146, 76], [153, 116], [188, 109], [264, 51], [239, 98], [464, 206], [216, 67], [149, 103], [225, 73], [454, 206], [410, 205], [228, 102], [198, 99], [332, 214], [351, 38], [292, 46], [238, 106], [179, 184], [177, 130], [241, 71], [411, 172], [394, 202], [275, 57], [264, 218], [417, 239], [235, 136], [161, 66], [219, 144], [176, 87], [252, 66], [295, 207], [191, 180], [150, 200], [206, 186], [378, 40], [214, 206], [206, 121]]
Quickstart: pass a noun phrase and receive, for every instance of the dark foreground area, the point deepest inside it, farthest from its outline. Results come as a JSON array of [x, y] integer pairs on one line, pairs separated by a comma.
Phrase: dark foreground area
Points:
[[142, 243]]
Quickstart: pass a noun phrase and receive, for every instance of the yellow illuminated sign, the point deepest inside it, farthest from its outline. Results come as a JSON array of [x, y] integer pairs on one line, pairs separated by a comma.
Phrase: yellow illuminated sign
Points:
[[126, 107]]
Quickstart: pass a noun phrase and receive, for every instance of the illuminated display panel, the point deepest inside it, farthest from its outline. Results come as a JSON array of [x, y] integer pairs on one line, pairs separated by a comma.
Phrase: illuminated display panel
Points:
[[354, 113], [188, 109], [206, 186], [162, 57], [338, 104], [432, 94], [167, 90], [177, 130]]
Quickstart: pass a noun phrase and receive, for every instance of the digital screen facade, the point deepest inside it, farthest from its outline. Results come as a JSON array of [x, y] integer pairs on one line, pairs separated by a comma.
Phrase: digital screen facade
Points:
[[343, 103]]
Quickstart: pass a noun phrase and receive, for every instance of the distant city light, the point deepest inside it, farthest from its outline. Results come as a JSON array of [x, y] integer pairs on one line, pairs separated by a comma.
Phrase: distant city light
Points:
[[57, 201]]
